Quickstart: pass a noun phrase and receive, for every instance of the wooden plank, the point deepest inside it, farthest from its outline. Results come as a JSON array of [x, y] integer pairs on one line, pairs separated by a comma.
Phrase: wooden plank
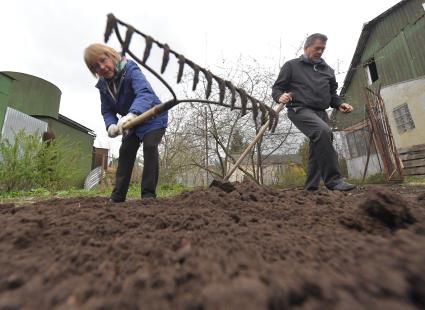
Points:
[[415, 148], [414, 171], [415, 154], [414, 163], [405, 157], [357, 126]]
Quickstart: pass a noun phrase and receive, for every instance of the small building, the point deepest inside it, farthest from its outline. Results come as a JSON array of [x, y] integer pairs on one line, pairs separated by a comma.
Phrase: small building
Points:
[[32, 104], [385, 84], [100, 158]]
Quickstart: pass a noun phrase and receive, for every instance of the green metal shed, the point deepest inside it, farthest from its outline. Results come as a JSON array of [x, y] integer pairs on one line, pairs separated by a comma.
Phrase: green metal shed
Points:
[[40, 99], [389, 58]]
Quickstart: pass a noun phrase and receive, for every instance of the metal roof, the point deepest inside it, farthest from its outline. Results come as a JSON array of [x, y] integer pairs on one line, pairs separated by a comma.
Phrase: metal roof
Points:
[[361, 44], [74, 124]]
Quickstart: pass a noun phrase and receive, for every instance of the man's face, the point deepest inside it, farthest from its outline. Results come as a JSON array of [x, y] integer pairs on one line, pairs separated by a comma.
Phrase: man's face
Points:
[[314, 52]]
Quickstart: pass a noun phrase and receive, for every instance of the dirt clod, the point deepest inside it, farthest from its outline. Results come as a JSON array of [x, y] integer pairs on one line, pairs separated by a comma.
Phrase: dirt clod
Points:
[[389, 208]]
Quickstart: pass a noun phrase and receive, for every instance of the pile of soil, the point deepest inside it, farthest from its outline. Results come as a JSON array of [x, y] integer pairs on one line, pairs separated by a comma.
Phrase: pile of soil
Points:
[[252, 248]]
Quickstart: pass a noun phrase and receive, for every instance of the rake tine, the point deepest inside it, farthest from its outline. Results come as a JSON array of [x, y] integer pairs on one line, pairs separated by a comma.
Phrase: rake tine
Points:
[[195, 76], [222, 88], [254, 109], [149, 41], [275, 121], [181, 67], [233, 92], [208, 76], [165, 57], [128, 35], [110, 24], [244, 100], [263, 110]]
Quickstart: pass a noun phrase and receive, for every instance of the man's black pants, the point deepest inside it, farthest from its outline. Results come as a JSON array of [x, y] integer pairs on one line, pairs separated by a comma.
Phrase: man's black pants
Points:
[[127, 156], [323, 159]]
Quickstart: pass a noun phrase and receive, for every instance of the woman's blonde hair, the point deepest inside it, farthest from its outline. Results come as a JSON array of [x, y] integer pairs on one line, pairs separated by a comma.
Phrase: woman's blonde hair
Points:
[[94, 51]]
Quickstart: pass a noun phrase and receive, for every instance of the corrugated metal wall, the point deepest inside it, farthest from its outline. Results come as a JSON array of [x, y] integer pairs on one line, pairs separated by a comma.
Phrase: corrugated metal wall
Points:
[[394, 62], [415, 38], [391, 25], [15, 121]]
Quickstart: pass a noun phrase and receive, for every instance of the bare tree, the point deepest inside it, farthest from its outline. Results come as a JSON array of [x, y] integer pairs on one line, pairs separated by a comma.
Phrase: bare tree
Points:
[[187, 129]]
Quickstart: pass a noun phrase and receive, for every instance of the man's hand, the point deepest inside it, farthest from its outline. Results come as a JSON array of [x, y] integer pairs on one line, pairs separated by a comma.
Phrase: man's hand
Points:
[[285, 98], [345, 108], [124, 120], [113, 131]]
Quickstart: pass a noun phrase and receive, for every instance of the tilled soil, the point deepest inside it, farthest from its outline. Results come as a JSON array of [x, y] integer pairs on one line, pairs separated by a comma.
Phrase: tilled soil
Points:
[[253, 248]]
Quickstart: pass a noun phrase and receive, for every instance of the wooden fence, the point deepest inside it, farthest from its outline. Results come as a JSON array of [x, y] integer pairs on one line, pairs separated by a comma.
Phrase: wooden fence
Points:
[[413, 159]]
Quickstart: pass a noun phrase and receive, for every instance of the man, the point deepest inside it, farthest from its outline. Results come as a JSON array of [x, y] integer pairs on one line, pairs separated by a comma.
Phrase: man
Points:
[[307, 86]]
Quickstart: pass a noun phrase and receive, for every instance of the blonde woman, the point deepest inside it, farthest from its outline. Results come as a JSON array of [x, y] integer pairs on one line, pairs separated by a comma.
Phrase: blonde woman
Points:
[[125, 91]]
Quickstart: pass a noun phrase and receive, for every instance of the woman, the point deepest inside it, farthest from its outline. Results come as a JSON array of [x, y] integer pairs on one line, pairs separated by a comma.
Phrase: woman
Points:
[[124, 90]]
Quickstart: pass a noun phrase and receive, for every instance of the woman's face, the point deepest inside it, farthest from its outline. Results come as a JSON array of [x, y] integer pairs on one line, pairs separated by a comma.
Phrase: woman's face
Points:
[[104, 67]]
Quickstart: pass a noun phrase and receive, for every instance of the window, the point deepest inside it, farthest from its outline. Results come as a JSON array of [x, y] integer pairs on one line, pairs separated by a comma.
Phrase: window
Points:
[[403, 118], [372, 71]]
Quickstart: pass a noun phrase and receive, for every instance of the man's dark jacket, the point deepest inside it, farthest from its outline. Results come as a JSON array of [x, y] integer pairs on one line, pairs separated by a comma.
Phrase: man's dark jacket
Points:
[[312, 85]]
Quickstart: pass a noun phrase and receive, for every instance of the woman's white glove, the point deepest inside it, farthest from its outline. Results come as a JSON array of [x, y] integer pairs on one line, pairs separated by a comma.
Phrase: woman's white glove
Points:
[[124, 120], [113, 131]]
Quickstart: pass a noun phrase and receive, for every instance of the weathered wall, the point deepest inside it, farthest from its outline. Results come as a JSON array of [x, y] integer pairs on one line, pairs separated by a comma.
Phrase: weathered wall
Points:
[[356, 166], [413, 93]]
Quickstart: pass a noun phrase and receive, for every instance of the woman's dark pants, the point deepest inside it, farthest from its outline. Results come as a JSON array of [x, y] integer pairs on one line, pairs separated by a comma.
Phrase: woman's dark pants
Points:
[[127, 156]]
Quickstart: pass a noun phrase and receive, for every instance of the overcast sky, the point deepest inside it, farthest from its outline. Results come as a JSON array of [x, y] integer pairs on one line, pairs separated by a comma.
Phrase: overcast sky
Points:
[[46, 38]]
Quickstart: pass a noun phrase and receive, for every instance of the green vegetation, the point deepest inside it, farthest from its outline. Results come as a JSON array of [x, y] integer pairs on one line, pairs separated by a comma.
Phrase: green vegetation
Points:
[[30, 163], [164, 190], [34, 170], [377, 178], [293, 176], [415, 180], [303, 152]]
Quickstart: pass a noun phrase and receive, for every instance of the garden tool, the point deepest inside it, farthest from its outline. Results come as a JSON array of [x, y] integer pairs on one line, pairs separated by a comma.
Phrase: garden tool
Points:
[[224, 184]]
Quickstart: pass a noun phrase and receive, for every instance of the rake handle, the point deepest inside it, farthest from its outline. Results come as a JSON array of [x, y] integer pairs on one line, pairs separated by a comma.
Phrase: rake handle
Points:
[[249, 147], [151, 113]]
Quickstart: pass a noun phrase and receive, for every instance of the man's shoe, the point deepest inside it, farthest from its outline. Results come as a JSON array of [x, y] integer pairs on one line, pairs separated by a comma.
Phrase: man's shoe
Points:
[[343, 186], [311, 189], [148, 195], [112, 200]]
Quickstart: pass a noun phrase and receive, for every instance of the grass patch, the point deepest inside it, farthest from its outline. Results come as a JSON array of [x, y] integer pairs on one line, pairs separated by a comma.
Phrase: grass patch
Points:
[[163, 190], [415, 179]]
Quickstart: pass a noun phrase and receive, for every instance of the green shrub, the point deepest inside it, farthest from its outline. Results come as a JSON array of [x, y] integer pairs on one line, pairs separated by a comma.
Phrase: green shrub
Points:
[[30, 163], [294, 176], [415, 179], [377, 178]]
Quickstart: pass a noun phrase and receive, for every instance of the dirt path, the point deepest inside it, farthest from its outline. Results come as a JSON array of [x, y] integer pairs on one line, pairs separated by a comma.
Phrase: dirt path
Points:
[[254, 248]]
